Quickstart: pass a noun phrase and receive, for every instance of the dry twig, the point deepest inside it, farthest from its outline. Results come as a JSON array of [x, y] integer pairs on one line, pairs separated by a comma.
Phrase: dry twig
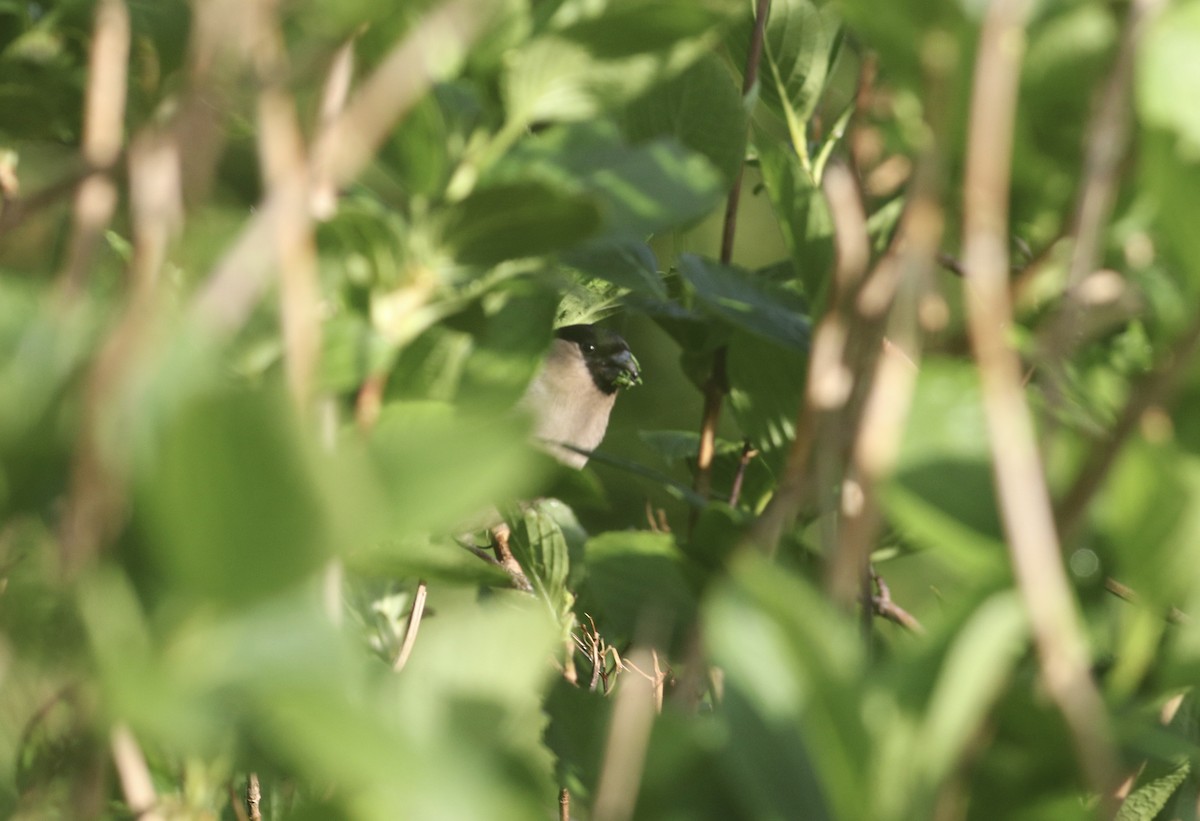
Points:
[[415, 613]]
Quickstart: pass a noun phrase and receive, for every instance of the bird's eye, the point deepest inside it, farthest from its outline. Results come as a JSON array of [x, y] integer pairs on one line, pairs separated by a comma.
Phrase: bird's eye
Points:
[[588, 347]]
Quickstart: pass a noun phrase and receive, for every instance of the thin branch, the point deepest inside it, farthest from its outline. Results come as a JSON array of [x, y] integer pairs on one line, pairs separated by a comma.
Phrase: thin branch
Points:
[[134, 775], [1023, 498], [883, 605], [333, 101], [415, 613], [628, 738], [1173, 615], [342, 151], [286, 178], [717, 384], [103, 135], [253, 798], [564, 805], [1153, 390], [838, 357], [747, 456]]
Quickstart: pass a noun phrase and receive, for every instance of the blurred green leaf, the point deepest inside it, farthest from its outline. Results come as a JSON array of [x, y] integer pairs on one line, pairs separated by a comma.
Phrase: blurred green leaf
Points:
[[803, 215], [1168, 75], [636, 587], [231, 501], [520, 219], [601, 62], [748, 303], [701, 108], [942, 495], [791, 670], [766, 386], [639, 189]]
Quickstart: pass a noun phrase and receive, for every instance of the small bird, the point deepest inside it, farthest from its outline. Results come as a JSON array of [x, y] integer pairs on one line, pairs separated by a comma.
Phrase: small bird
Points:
[[573, 394]]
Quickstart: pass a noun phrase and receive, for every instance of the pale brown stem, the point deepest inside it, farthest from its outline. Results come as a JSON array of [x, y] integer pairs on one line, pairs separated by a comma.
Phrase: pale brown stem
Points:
[[134, 775], [103, 134], [628, 738], [1023, 498], [415, 613], [340, 154], [286, 178], [253, 798]]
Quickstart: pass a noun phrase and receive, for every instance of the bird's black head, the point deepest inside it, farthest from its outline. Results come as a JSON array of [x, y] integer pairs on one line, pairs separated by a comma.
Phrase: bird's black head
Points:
[[607, 355]]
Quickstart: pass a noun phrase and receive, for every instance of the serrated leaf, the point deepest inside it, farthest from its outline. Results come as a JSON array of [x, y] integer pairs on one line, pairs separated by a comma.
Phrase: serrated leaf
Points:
[[746, 302], [1148, 800], [540, 547]]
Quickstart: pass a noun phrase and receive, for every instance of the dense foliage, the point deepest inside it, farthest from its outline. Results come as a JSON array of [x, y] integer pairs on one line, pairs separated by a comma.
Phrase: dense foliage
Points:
[[274, 275]]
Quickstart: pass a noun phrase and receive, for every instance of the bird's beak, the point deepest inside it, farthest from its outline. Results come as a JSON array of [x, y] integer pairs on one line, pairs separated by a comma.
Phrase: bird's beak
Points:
[[631, 371]]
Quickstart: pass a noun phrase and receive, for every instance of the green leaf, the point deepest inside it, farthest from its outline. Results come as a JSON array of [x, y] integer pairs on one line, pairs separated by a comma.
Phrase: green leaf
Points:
[[793, 699], [636, 586], [1148, 800], [231, 502], [539, 546], [519, 219], [701, 108], [602, 62], [1168, 75], [941, 495], [630, 265], [766, 386], [797, 51], [438, 466], [803, 215], [1148, 518], [748, 303], [984, 652], [640, 190]]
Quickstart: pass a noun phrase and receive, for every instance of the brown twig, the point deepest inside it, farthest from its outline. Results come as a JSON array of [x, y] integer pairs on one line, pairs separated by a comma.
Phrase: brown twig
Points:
[[838, 357], [747, 456], [103, 134], [134, 775], [1173, 615], [253, 797], [342, 151], [415, 613], [333, 101], [883, 605], [286, 178], [717, 384], [564, 805], [1023, 498], [1153, 390]]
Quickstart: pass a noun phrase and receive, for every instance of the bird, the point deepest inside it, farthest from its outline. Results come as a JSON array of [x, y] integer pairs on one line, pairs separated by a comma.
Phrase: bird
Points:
[[572, 394]]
